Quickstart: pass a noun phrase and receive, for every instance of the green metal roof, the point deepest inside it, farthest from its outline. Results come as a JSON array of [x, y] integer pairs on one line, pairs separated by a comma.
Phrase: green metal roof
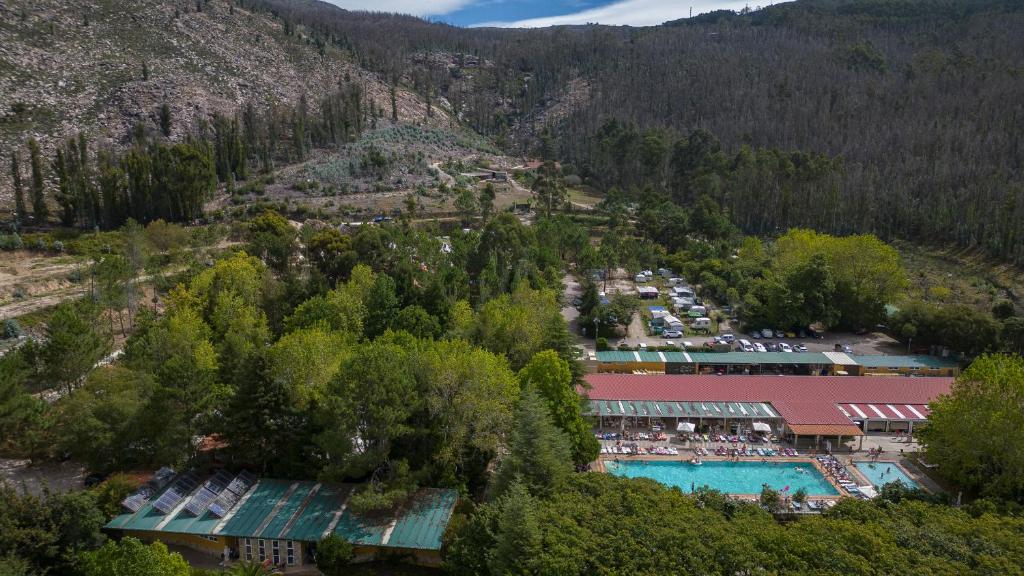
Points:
[[305, 511], [883, 361], [286, 511], [754, 358], [422, 524], [257, 504], [316, 517]]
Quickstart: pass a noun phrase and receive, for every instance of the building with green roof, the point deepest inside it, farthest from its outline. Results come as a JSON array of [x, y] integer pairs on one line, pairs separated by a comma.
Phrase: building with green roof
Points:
[[803, 363], [282, 520]]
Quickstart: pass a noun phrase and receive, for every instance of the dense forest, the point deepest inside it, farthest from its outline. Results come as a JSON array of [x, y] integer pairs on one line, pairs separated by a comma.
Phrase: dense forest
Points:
[[900, 118]]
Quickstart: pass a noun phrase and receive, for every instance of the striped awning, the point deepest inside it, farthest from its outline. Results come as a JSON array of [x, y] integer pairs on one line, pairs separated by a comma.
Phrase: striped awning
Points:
[[879, 411]]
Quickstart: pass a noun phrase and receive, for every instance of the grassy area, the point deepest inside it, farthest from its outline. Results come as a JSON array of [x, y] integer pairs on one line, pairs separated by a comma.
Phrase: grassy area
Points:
[[959, 276]]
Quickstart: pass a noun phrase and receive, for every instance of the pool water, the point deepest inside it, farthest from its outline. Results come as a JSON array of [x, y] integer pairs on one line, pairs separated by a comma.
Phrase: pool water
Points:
[[728, 477], [881, 473]]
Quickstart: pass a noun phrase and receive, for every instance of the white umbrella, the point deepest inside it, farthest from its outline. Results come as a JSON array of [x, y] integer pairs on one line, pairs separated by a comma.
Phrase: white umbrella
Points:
[[685, 427], [762, 427]]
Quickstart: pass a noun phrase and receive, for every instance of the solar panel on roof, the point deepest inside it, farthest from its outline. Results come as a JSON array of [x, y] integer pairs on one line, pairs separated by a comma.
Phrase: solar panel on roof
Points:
[[176, 493], [208, 493], [231, 494], [136, 501]]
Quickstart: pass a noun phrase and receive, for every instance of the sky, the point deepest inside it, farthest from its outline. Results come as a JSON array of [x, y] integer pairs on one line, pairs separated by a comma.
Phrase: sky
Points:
[[540, 13]]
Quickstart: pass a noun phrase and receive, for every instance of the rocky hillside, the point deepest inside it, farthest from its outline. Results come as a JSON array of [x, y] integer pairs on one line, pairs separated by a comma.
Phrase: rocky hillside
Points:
[[102, 66]]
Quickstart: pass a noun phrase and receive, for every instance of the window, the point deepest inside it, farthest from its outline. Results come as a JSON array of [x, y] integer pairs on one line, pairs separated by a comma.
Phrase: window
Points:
[[291, 552], [263, 550], [248, 549], [276, 546], [210, 538]]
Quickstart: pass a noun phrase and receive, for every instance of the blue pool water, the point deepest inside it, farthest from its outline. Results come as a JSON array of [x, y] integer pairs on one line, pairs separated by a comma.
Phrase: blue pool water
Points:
[[728, 477], [892, 473]]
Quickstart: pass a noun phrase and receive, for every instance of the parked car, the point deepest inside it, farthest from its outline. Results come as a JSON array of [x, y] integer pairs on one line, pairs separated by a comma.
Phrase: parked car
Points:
[[767, 333], [755, 335], [780, 334], [687, 344], [783, 347], [758, 347], [670, 343], [800, 348], [772, 347], [672, 334], [728, 338], [643, 346]]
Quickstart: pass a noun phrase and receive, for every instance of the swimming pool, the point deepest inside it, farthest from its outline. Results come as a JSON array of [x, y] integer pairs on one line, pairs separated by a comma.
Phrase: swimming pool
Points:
[[728, 477], [880, 473]]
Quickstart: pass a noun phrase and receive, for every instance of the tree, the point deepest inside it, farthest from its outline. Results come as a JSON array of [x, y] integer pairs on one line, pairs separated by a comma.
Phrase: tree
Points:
[[416, 321], [177, 350], [549, 189], [165, 120], [381, 305], [112, 491], [99, 423], [39, 209], [550, 377], [486, 201], [369, 400], [74, 343], [265, 424], [130, 556], [273, 238], [19, 192], [50, 530], [333, 555], [974, 433], [518, 538], [538, 456], [333, 254], [466, 204]]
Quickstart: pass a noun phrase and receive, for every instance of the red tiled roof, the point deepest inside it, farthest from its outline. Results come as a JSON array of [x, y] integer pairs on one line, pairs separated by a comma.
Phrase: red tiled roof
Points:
[[799, 399], [826, 430]]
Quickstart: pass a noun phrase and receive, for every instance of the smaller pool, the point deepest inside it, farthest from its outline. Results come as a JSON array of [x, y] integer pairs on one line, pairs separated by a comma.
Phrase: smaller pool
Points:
[[881, 473]]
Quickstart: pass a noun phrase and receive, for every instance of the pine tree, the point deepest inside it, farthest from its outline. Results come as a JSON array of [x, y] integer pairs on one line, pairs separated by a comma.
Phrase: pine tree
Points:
[[539, 455], [517, 538], [65, 196], [165, 120], [39, 209], [394, 100], [19, 192]]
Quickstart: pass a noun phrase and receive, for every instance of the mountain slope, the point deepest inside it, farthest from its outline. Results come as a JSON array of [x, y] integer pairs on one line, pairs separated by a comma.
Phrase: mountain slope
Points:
[[71, 65]]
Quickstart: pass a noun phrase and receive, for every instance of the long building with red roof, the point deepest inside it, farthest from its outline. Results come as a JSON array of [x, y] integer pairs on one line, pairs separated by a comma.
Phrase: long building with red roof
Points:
[[804, 405]]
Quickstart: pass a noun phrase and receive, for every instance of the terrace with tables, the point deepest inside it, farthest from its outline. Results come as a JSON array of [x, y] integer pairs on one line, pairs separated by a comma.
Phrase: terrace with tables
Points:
[[832, 407]]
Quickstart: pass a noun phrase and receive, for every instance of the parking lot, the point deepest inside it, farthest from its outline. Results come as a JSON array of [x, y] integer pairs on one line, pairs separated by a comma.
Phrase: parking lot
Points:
[[870, 343]]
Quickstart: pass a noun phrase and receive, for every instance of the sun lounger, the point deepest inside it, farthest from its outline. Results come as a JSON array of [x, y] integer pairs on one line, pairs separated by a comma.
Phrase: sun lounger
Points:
[[812, 506], [796, 506]]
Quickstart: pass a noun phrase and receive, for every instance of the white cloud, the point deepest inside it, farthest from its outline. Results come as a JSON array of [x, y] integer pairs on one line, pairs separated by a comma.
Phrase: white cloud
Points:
[[414, 7], [633, 13]]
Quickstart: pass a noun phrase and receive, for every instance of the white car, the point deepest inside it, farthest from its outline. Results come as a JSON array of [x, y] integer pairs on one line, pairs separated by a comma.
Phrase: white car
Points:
[[672, 334], [783, 347], [688, 344], [758, 347], [800, 348], [728, 338], [643, 346], [767, 333]]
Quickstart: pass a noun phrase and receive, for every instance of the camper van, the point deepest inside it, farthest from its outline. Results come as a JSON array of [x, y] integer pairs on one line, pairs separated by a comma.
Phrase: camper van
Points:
[[701, 324]]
